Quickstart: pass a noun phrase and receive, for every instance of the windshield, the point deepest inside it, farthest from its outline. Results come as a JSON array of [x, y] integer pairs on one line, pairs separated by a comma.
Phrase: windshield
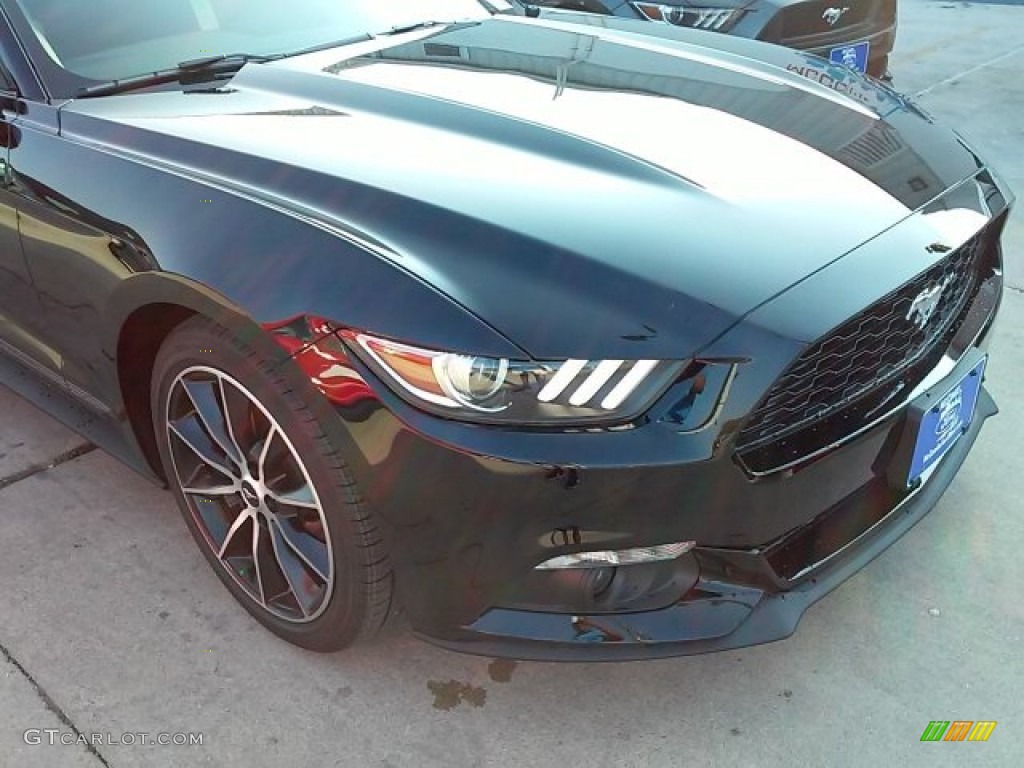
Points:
[[113, 39]]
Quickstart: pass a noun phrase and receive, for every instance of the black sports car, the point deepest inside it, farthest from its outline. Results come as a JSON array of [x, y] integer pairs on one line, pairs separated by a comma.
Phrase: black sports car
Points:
[[579, 343], [857, 33]]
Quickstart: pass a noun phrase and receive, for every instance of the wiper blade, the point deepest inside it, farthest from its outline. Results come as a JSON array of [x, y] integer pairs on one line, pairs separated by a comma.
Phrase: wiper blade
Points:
[[187, 72], [327, 46], [401, 28], [451, 24], [204, 62]]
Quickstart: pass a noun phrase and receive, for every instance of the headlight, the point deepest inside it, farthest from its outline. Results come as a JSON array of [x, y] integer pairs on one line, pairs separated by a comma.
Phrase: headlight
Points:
[[485, 389], [709, 18]]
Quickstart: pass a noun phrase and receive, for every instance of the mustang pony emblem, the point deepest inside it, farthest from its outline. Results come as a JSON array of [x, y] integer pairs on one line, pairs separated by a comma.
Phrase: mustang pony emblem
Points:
[[833, 15], [925, 303]]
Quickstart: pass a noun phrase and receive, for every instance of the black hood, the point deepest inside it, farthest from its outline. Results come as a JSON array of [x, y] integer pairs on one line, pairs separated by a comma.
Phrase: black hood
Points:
[[581, 190]]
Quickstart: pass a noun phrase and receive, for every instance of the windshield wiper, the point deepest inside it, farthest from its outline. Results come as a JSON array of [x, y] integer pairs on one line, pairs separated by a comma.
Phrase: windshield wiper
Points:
[[208, 68], [401, 28], [454, 24], [327, 46], [199, 70]]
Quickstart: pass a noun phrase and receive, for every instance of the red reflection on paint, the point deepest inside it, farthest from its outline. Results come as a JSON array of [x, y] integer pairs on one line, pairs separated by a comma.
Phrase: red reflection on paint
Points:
[[325, 362]]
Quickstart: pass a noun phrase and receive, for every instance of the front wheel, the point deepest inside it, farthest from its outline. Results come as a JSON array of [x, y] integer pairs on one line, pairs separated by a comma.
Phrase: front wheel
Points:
[[266, 496]]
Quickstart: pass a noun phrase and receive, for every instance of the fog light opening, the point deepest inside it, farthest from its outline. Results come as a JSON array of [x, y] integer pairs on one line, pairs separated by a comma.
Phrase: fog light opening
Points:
[[615, 557]]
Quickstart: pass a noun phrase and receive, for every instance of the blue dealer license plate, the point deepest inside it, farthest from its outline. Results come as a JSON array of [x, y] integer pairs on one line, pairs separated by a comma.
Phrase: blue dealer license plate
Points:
[[853, 56], [943, 423]]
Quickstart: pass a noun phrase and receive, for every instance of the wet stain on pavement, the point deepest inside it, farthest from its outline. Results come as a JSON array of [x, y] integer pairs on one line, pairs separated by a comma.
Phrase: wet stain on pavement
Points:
[[501, 670], [448, 695], [342, 693]]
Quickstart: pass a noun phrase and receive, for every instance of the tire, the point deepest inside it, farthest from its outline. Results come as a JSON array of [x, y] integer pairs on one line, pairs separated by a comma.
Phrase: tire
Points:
[[266, 496]]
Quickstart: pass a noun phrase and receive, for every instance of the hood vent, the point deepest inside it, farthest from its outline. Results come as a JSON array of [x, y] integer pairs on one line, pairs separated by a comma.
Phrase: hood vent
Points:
[[443, 50], [871, 148]]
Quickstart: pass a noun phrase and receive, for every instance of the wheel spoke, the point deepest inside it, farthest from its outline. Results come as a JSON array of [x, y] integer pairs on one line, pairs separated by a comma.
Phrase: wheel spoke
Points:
[[300, 497], [229, 419], [235, 526], [213, 490], [294, 571], [209, 410], [194, 438], [261, 462], [309, 549], [256, 561], [204, 479], [216, 515]]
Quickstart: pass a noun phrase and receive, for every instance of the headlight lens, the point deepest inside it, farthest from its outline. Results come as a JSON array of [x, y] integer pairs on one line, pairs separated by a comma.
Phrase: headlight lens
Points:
[[709, 18], [484, 389], [470, 380]]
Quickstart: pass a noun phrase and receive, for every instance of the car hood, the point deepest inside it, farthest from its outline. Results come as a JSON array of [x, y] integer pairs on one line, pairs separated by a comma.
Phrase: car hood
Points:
[[583, 191]]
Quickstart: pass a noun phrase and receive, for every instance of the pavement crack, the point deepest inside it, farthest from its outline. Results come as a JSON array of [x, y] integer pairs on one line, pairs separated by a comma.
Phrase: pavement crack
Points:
[[969, 71], [35, 469], [53, 706]]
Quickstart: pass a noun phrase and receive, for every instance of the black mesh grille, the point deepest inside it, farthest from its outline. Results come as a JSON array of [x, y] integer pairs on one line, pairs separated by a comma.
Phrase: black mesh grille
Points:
[[867, 351]]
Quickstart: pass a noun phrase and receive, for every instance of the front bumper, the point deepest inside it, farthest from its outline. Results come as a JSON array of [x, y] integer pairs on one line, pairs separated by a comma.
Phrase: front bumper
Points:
[[715, 615]]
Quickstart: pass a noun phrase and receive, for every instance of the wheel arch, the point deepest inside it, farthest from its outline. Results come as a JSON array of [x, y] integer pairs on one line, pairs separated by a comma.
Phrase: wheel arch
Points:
[[143, 312]]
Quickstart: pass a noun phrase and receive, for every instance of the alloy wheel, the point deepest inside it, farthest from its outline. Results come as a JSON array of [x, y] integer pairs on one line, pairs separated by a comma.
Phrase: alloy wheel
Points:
[[249, 494]]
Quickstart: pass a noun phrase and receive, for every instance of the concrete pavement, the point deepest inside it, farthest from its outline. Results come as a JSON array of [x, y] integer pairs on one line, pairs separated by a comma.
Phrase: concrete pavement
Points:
[[114, 624], [965, 63]]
